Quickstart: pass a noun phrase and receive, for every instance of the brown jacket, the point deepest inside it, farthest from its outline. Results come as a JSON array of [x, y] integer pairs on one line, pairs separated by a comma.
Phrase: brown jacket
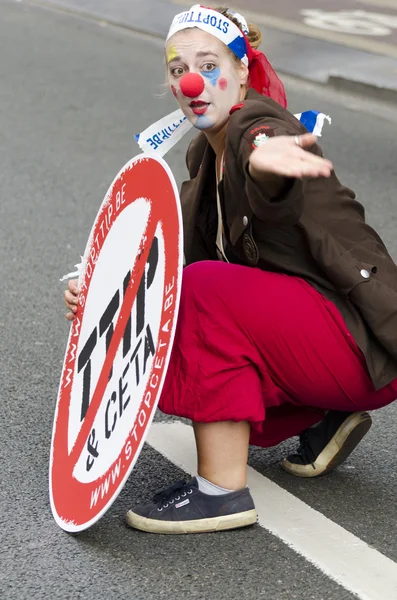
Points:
[[314, 229]]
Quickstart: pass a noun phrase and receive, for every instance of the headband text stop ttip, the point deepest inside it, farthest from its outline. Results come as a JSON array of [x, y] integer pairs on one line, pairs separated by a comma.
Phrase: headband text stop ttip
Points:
[[216, 24]]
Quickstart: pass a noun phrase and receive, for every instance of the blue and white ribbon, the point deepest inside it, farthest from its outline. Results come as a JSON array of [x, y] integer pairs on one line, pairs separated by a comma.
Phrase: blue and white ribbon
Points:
[[160, 137], [313, 121], [214, 23], [164, 134]]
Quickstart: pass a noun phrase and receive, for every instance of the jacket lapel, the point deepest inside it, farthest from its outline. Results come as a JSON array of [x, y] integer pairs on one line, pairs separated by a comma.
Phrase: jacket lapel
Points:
[[192, 193]]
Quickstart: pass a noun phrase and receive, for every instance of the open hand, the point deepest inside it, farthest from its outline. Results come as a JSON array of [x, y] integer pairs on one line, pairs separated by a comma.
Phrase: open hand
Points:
[[287, 156]]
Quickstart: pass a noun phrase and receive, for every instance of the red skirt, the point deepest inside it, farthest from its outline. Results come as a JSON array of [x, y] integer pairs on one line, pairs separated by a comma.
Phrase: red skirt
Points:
[[265, 348]]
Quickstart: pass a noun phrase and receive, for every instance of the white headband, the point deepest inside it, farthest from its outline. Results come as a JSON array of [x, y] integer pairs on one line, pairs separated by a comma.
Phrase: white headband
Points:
[[214, 23], [241, 20]]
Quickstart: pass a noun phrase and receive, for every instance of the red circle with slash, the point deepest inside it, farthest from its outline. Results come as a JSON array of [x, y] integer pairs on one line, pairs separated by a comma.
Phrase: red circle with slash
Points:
[[119, 344]]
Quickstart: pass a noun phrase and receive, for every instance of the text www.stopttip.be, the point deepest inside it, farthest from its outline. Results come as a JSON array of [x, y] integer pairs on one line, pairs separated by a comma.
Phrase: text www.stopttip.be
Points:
[[103, 489]]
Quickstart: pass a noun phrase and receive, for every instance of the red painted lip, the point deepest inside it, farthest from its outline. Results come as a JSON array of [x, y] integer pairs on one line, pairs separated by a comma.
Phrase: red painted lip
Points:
[[199, 107]]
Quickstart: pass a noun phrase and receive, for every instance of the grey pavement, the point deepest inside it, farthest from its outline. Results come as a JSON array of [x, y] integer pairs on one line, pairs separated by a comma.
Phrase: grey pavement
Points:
[[72, 95], [291, 52], [150, 17]]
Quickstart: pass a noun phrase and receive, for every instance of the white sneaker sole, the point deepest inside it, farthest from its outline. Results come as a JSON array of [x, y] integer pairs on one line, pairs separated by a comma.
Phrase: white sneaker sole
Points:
[[235, 521], [347, 437]]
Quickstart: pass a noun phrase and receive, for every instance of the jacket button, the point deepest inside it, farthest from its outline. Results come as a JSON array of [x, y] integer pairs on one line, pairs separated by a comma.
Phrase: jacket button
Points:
[[364, 273], [245, 221]]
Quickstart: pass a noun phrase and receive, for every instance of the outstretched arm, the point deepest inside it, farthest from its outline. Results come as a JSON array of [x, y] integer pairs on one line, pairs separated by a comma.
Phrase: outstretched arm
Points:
[[287, 156]]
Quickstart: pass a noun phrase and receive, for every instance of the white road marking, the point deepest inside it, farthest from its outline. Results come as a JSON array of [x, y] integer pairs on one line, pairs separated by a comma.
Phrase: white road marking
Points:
[[339, 554], [354, 22]]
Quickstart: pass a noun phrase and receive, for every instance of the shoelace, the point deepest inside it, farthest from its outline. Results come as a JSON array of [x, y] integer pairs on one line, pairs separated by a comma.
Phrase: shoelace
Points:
[[304, 449], [175, 492]]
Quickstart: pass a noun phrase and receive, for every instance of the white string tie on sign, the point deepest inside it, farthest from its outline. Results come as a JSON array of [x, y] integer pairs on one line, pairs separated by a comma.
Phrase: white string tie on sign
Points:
[[75, 273]]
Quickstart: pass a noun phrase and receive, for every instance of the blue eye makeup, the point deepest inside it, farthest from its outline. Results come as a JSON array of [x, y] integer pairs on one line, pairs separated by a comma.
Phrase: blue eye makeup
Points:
[[212, 76]]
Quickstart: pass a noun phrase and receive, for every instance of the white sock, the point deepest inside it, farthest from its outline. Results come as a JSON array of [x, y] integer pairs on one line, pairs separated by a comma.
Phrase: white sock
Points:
[[209, 488]]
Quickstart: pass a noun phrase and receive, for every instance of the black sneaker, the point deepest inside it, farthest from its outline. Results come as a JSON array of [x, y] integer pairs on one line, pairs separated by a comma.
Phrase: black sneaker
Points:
[[328, 444], [182, 508]]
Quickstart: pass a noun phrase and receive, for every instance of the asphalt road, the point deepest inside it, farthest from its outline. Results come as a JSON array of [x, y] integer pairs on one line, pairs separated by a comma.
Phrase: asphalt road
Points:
[[72, 95]]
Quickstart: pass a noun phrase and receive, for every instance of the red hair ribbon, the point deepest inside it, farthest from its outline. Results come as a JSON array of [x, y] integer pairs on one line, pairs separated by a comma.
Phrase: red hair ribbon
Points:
[[262, 76]]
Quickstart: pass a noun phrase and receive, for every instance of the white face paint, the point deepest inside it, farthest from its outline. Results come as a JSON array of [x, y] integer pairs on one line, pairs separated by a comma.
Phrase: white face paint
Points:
[[195, 51]]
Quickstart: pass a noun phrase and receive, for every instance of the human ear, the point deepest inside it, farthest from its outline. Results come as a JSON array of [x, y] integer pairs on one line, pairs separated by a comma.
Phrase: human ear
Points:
[[243, 74]]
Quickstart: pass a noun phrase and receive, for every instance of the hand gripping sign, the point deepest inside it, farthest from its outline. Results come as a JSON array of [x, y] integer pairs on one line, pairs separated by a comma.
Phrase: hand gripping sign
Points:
[[119, 344]]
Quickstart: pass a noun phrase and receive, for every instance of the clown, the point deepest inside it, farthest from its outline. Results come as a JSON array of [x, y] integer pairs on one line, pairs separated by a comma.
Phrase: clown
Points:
[[287, 324]]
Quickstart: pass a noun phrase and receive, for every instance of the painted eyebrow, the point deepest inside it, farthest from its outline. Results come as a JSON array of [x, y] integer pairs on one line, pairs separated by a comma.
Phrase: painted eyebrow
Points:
[[200, 54]]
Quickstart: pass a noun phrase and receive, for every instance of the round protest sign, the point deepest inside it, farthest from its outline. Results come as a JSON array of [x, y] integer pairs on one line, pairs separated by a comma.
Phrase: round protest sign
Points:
[[119, 344]]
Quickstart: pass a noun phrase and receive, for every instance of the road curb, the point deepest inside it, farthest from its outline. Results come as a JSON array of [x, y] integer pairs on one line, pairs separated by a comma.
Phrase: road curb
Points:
[[360, 87]]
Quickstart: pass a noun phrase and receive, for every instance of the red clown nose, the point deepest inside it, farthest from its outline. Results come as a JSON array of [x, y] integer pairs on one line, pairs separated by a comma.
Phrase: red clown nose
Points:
[[192, 85]]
